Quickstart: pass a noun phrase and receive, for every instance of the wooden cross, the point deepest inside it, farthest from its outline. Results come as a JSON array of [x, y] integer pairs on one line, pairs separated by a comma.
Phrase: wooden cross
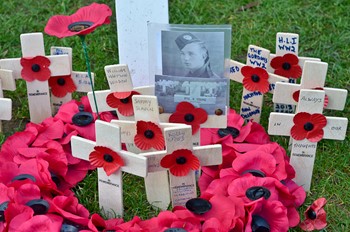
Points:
[[251, 104], [288, 43], [183, 188], [303, 151], [314, 76], [38, 91], [80, 79], [119, 80], [7, 82], [146, 110], [110, 188]]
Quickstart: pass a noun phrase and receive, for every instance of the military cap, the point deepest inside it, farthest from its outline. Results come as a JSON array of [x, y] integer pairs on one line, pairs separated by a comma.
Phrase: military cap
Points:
[[186, 38]]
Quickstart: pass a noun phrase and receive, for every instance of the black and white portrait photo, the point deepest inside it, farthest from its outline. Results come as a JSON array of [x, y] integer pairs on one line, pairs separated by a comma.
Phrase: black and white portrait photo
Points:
[[193, 54]]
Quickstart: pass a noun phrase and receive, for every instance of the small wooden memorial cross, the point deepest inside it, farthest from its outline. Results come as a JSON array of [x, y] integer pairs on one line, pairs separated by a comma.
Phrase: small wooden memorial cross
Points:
[[180, 151], [119, 81], [110, 187], [6, 83], [256, 81], [288, 43], [81, 80], [146, 112], [37, 70], [314, 76], [307, 127]]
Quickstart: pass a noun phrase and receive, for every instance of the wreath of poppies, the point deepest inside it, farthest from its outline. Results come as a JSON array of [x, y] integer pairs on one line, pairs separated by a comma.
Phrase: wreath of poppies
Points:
[[252, 190]]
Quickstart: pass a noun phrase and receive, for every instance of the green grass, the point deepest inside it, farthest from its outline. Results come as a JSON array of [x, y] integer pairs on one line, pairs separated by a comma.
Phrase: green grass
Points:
[[324, 32]]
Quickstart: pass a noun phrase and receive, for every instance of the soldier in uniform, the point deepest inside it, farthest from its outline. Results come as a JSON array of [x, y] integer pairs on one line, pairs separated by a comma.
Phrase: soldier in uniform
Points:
[[194, 56]]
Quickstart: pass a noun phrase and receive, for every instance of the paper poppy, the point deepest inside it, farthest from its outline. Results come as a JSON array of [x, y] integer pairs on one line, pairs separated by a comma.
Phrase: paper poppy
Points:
[[188, 114], [82, 22], [308, 126], [297, 93], [148, 136], [180, 162], [35, 68], [61, 85], [106, 158], [255, 79], [122, 101], [315, 216], [287, 66]]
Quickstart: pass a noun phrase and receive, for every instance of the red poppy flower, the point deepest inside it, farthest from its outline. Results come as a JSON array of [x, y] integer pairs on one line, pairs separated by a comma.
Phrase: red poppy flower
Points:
[[97, 223], [148, 136], [286, 66], [180, 162], [61, 85], [235, 128], [122, 101], [188, 114], [106, 158], [35, 68], [309, 126], [82, 22], [315, 216], [255, 79], [297, 93]]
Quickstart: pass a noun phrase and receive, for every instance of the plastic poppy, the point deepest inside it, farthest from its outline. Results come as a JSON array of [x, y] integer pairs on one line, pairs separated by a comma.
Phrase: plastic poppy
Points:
[[106, 158], [286, 66], [315, 216], [82, 22], [297, 93], [180, 162], [122, 101], [186, 113], [61, 85], [148, 136], [255, 79], [308, 126], [35, 68]]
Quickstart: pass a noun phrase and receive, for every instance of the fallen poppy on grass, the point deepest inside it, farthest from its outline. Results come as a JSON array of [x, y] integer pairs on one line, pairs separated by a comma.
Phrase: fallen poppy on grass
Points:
[[315, 216]]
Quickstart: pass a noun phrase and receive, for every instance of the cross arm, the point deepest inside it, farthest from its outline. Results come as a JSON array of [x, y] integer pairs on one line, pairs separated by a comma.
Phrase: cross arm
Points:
[[280, 124], [209, 155], [134, 164], [7, 80], [235, 71], [81, 148], [5, 109]]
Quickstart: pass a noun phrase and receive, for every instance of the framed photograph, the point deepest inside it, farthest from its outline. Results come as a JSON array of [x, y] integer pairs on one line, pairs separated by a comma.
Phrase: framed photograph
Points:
[[207, 93], [193, 54]]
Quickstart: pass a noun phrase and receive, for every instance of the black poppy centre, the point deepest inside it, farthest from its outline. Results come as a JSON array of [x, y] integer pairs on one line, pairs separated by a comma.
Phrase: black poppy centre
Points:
[[124, 100], [286, 66], [234, 132], [255, 78], [311, 214], [257, 192], [149, 134], [108, 158], [254, 172], [39, 206], [259, 224], [35, 68], [189, 117], [181, 160], [61, 81], [79, 26], [198, 205], [308, 126], [82, 118]]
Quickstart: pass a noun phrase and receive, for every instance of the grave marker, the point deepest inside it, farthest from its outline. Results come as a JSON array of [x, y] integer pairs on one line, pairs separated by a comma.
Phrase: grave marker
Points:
[[120, 83], [288, 43], [314, 76], [256, 79], [178, 143], [81, 80], [307, 127], [33, 51], [146, 111], [7, 82], [110, 188]]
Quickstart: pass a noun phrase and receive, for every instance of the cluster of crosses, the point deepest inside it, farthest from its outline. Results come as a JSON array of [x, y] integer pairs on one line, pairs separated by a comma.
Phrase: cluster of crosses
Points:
[[296, 105]]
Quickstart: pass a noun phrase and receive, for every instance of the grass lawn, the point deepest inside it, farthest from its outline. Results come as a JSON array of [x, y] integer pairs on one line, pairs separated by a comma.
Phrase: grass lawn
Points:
[[324, 32]]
